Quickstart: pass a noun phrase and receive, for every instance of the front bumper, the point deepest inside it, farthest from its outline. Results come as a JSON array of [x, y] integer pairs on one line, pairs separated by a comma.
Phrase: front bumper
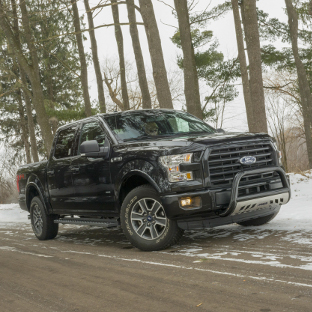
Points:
[[244, 206]]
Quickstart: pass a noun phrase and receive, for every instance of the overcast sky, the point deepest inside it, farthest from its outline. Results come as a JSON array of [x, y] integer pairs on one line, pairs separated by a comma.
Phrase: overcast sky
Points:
[[235, 117]]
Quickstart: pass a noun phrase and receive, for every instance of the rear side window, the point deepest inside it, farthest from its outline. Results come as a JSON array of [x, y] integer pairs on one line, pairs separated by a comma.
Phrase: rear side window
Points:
[[65, 143], [92, 131]]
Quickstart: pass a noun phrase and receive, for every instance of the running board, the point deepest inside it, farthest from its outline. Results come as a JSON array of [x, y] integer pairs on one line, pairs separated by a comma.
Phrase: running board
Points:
[[89, 221]]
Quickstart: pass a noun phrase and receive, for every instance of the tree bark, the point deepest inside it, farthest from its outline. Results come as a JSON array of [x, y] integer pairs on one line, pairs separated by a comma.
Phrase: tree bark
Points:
[[146, 97], [50, 92], [255, 72], [304, 88], [157, 58], [83, 63], [119, 40], [243, 65], [191, 87], [23, 127], [30, 121], [95, 57]]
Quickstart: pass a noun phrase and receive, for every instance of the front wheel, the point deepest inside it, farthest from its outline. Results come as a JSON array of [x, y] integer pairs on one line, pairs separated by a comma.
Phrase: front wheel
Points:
[[258, 221], [144, 220], [42, 224]]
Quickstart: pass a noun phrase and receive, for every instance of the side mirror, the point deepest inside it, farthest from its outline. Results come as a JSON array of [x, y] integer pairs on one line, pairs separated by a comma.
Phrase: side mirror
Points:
[[92, 149], [220, 130]]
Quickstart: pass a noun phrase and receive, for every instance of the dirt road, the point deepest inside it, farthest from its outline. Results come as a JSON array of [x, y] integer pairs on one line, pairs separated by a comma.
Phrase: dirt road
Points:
[[95, 269]]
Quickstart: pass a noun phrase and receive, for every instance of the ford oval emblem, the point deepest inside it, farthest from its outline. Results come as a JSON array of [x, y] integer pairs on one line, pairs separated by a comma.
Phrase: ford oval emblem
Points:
[[248, 160]]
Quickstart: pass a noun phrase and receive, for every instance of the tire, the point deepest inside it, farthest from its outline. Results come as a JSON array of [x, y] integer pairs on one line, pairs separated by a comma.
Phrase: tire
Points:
[[144, 222], [258, 221], [42, 224]]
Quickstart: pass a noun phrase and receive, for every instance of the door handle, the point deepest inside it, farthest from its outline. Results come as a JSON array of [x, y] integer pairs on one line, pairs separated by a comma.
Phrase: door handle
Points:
[[50, 172], [74, 169]]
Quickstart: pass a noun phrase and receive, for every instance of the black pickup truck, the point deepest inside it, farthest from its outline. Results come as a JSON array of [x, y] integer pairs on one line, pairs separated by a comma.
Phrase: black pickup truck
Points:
[[154, 172]]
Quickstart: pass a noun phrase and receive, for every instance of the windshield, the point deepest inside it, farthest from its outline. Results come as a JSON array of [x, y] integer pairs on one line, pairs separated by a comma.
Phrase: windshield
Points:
[[155, 124]]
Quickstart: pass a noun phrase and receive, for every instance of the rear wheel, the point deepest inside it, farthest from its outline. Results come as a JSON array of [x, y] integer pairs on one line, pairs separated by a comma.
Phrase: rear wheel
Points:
[[42, 224], [144, 220], [258, 221]]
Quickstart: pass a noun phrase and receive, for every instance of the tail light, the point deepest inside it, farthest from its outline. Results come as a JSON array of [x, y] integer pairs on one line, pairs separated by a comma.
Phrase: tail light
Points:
[[18, 178]]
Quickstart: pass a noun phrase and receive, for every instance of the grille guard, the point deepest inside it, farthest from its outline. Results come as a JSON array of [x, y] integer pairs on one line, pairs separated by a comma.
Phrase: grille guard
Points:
[[270, 195]]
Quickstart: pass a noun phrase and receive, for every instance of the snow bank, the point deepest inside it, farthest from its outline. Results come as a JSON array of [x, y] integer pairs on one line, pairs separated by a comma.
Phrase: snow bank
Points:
[[297, 214], [12, 213]]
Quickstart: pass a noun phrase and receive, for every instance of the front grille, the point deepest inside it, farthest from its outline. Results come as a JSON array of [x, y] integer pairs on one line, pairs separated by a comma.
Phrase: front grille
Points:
[[223, 163]]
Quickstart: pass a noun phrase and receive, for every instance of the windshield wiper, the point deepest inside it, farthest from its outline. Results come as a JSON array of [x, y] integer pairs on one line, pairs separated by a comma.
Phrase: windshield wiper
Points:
[[144, 136]]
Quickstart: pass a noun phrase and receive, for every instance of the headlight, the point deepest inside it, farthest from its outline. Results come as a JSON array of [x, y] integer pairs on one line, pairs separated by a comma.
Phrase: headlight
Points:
[[279, 153], [172, 163]]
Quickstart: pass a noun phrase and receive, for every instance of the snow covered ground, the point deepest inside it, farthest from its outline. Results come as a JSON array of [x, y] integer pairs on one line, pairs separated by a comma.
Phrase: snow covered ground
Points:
[[294, 218]]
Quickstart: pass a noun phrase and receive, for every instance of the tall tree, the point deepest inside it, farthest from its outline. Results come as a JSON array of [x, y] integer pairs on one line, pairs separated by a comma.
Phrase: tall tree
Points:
[[30, 121], [120, 45], [95, 58], [191, 86], [304, 88], [31, 68], [157, 58], [219, 75], [146, 98], [83, 62], [250, 21], [243, 65]]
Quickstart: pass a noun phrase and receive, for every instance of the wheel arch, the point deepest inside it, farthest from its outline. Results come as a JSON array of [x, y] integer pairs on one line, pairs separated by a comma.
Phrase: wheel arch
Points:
[[132, 180], [32, 191]]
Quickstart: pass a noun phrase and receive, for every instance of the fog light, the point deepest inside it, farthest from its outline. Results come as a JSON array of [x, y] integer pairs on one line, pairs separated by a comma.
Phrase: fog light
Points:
[[186, 202], [190, 202]]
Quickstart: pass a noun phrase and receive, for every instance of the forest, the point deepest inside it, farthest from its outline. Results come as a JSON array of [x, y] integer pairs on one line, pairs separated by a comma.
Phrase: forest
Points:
[[45, 81]]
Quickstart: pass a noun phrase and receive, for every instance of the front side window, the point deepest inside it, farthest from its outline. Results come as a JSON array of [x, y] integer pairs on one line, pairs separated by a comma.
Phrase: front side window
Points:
[[92, 131], [156, 124], [65, 142]]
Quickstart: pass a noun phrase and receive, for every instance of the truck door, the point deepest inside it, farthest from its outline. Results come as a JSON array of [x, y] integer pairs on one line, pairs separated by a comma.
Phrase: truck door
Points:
[[59, 174], [91, 176]]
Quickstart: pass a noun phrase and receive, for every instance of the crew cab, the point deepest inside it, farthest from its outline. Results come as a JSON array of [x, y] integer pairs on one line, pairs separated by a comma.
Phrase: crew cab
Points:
[[155, 173]]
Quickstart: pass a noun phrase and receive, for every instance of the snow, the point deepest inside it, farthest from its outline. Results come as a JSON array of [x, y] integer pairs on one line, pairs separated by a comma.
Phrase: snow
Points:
[[12, 213]]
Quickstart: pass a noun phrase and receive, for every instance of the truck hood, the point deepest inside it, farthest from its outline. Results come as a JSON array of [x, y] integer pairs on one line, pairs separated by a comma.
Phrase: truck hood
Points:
[[191, 143]]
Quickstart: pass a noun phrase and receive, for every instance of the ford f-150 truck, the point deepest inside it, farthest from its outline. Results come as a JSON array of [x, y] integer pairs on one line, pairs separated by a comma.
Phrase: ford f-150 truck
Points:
[[154, 172]]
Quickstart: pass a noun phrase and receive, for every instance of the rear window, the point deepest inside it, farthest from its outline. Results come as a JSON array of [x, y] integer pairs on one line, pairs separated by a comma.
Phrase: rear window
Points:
[[65, 142]]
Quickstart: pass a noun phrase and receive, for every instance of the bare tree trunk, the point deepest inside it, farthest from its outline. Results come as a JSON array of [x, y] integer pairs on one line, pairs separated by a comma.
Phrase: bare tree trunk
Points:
[[31, 70], [119, 40], [243, 65], [83, 63], [50, 92], [191, 87], [30, 121], [23, 127], [95, 57], [146, 98], [157, 58], [255, 72], [304, 88], [113, 93]]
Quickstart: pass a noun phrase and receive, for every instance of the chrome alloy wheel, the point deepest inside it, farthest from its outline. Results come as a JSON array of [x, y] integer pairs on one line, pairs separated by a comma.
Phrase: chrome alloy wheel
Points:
[[148, 218], [37, 219]]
